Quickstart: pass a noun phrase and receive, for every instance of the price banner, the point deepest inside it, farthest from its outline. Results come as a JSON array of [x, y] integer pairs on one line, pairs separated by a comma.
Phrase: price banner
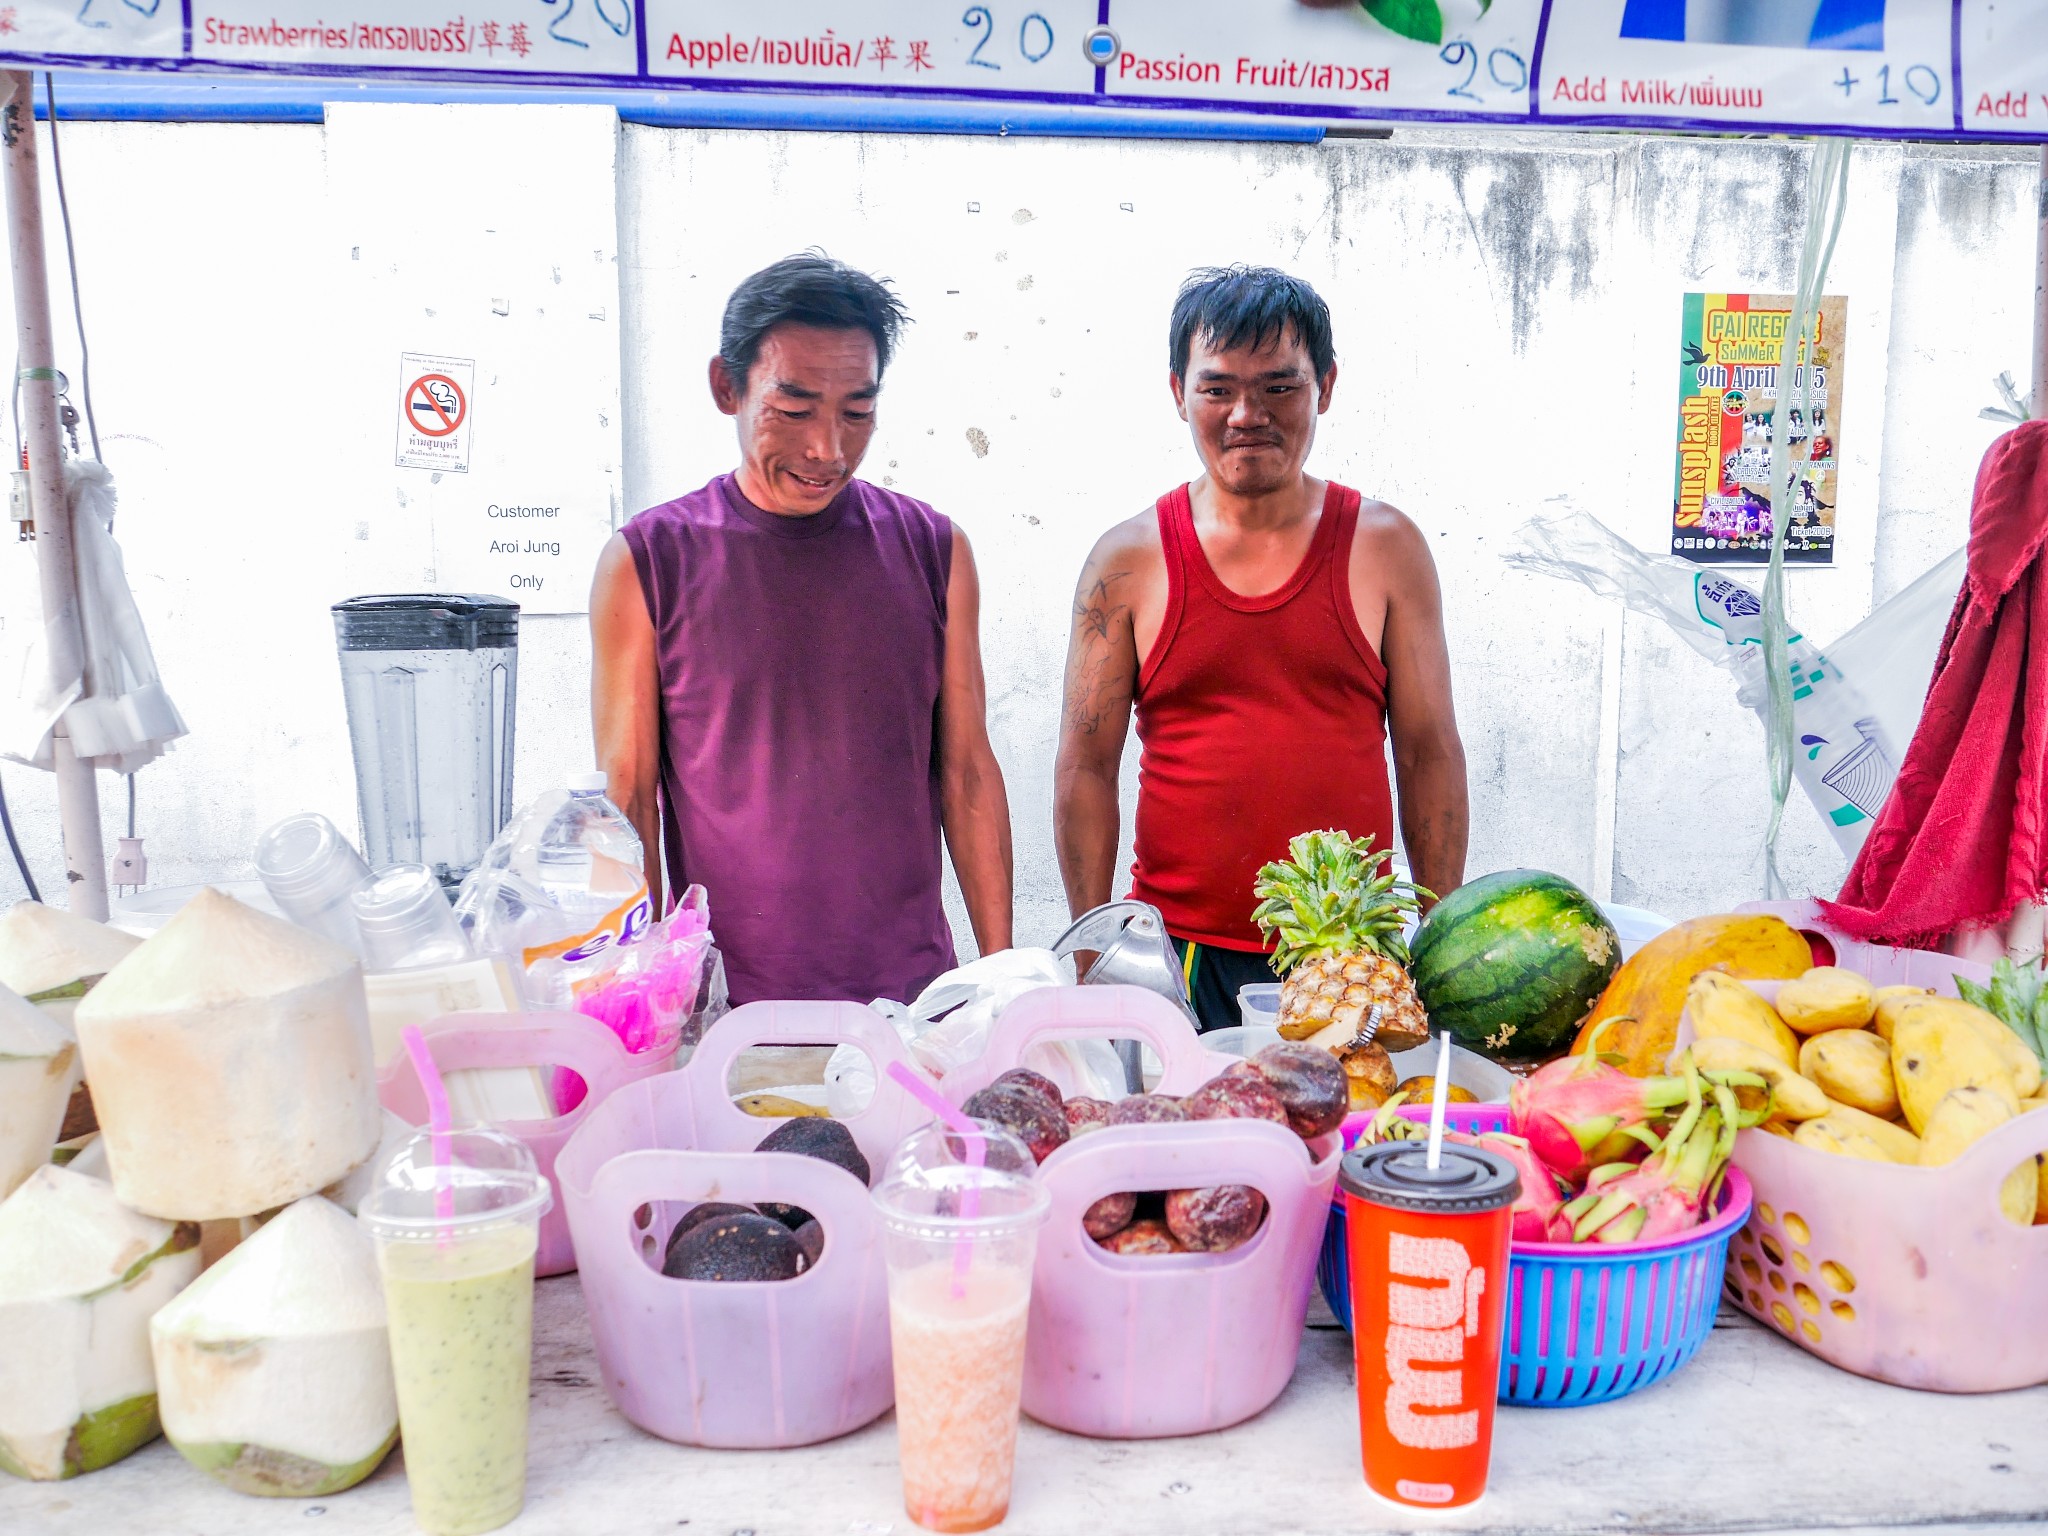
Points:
[[1463, 58], [1857, 65], [1027, 49], [515, 37], [1909, 68]]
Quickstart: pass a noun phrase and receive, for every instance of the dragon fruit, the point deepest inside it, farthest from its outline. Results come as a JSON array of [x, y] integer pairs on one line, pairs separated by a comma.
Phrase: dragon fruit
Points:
[[1536, 1208], [1671, 1191], [1579, 1113]]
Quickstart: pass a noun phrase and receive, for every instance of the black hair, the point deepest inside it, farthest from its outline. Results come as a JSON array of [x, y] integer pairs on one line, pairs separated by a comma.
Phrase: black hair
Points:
[[1249, 307], [808, 289]]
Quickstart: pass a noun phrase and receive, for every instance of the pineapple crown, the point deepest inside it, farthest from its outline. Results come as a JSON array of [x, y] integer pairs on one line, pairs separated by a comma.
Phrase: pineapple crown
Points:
[[1323, 899]]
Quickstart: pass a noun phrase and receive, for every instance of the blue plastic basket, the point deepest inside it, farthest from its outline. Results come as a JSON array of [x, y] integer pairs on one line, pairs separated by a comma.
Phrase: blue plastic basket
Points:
[[1586, 1323]]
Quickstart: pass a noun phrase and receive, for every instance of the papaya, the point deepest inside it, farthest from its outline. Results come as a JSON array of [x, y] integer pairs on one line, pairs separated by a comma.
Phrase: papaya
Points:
[[1826, 998], [1640, 1006], [1723, 1009]]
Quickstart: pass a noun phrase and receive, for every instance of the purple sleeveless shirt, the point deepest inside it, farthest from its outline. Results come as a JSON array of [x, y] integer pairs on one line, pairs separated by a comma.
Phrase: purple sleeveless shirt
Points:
[[800, 660]]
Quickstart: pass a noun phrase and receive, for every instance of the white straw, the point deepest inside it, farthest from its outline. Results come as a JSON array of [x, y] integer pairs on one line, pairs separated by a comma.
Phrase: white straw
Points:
[[1440, 1103]]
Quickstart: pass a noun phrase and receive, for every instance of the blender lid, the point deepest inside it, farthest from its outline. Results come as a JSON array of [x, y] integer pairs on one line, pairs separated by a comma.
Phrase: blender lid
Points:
[[426, 621]]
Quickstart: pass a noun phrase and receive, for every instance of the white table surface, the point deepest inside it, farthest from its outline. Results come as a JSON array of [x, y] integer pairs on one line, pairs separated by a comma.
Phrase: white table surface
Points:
[[1753, 1435]]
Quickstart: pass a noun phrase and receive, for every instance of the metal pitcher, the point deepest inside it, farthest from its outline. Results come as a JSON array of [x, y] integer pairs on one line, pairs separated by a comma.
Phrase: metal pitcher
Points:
[[1132, 949]]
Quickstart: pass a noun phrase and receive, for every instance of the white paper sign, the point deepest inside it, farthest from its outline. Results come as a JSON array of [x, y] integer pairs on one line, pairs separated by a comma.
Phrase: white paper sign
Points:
[[100, 29], [2005, 66], [434, 399]]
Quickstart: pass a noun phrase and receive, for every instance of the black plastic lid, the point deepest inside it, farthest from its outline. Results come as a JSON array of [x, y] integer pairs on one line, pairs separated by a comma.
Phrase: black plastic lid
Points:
[[1397, 1173], [427, 621]]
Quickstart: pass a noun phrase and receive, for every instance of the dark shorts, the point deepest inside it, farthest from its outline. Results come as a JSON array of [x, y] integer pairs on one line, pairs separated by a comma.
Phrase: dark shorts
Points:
[[1213, 977]]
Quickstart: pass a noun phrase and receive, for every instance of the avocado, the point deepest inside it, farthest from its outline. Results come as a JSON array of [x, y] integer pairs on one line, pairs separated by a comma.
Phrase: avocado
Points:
[[746, 1246], [697, 1214], [827, 1140]]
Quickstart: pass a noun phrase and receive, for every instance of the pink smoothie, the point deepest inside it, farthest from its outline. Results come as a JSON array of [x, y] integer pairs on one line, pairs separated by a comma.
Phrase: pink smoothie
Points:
[[959, 1374]]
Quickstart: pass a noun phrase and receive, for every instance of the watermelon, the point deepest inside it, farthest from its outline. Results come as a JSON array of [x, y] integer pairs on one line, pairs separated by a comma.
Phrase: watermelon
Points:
[[1511, 962]]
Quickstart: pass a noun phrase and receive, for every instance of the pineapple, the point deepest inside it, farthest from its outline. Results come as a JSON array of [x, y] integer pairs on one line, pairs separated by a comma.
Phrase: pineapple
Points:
[[1340, 947]]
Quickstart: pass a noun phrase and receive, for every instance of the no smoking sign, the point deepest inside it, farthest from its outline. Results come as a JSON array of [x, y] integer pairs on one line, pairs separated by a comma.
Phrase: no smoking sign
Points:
[[434, 411]]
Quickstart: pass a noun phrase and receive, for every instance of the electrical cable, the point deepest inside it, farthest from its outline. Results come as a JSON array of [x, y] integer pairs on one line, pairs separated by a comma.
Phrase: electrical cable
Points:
[[131, 803], [14, 846], [71, 259]]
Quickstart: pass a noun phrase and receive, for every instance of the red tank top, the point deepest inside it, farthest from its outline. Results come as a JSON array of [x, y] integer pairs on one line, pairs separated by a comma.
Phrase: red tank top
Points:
[[1259, 718]]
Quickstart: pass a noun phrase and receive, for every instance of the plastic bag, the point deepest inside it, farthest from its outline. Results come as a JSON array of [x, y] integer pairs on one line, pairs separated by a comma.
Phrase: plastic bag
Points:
[[949, 1022], [1849, 749]]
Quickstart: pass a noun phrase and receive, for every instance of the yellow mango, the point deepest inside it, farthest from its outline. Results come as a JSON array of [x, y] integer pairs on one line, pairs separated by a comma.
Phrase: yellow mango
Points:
[[1823, 1137], [1722, 1007], [2024, 1065], [1890, 1000], [1854, 1067], [1776, 1127], [1897, 1143], [1826, 997], [2040, 1187], [1935, 1053], [1959, 1120], [1792, 1096], [1644, 999]]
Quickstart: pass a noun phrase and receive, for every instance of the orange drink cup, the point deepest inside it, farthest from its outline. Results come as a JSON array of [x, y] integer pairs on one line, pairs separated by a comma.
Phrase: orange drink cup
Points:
[[959, 1238], [1429, 1275]]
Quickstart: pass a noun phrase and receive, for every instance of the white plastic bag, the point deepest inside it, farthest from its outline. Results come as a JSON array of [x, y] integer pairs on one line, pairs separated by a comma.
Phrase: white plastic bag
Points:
[[948, 1023], [1848, 749]]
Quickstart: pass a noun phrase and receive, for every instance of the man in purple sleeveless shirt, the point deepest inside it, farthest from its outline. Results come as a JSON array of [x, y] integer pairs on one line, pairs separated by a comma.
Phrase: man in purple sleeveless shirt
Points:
[[786, 678]]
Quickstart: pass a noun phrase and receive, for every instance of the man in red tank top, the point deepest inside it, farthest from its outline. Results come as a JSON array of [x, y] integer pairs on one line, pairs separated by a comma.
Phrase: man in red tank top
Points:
[[1274, 633]]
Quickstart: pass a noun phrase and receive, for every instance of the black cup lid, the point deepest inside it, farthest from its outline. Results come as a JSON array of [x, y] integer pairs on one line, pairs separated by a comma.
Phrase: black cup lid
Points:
[[1397, 1173]]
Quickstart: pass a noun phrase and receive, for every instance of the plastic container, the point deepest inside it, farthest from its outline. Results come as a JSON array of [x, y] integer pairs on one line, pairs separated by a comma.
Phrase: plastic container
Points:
[[469, 1042], [311, 871], [431, 682], [1589, 1322], [405, 920], [736, 1365], [1887, 1270], [453, 1217], [1139, 1348]]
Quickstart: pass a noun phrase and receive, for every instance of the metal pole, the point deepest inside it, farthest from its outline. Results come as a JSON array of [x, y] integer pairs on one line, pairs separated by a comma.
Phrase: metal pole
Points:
[[78, 800], [2040, 380]]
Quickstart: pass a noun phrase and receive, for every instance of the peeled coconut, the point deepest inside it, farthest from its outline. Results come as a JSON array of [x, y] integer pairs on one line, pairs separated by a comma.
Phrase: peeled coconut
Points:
[[273, 1370], [229, 1058], [53, 957], [348, 1193], [38, 1070], [80, 1275]]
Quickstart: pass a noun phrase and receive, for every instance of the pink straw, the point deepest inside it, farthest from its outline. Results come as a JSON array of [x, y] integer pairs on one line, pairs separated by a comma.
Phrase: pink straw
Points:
[[977, 1157], [438, 1118]]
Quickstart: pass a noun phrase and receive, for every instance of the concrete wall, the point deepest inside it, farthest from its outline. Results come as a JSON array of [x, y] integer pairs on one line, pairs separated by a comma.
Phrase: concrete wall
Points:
[[1506, 311]]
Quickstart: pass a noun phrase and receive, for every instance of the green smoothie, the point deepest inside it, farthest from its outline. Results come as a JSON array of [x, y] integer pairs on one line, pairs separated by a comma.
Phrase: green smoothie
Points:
[[461, 1318]]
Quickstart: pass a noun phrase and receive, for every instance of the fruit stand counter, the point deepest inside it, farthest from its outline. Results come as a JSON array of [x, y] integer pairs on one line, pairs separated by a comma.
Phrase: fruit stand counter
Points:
[[1753, 1435]]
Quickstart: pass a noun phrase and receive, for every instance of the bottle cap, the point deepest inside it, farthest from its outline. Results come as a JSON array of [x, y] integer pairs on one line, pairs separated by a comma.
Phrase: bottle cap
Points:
[[589, 783]]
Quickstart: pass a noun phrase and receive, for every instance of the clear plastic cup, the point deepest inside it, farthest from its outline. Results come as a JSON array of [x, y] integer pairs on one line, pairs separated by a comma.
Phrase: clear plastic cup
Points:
[[456, 1229], [310, 871], [959, 1239], [406, 921]]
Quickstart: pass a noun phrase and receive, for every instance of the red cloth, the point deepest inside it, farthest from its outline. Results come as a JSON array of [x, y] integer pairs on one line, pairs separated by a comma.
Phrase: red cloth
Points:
[[1964, 837], [1259, 717]]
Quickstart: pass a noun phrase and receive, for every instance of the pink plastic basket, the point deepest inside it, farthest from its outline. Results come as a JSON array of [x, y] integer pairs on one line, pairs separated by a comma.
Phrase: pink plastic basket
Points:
[[1886, 1270], [460, 1041], [1141, 1348], [737, 1365]]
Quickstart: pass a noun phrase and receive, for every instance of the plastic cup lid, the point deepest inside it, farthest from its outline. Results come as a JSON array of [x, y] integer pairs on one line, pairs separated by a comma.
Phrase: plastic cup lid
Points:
[[489, 1180], [930, 1184], [1397, 1173]]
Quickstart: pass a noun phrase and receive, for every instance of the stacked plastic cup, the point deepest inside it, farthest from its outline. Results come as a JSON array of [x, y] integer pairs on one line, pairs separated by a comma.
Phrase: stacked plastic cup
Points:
[[960, 1215], [456, 1217]]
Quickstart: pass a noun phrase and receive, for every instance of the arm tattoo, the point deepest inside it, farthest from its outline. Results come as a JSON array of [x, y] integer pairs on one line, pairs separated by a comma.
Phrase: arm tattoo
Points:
[[1097, 686]]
